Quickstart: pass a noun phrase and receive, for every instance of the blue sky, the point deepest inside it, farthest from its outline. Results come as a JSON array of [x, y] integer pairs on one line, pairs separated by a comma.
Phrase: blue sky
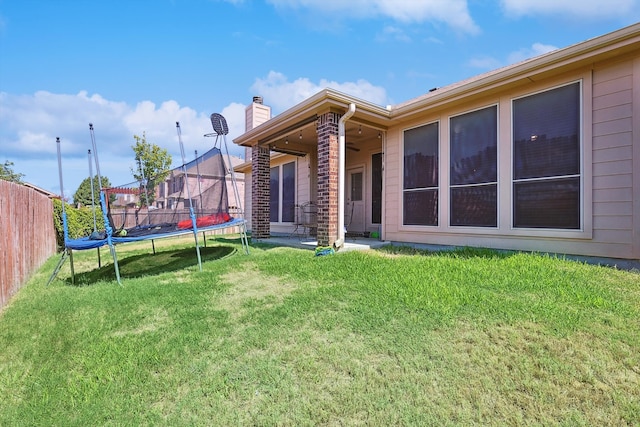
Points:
[[132, 66]]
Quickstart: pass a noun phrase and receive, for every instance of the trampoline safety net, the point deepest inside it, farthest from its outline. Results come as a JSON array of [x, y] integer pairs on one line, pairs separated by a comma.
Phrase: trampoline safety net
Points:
[[155, 207]]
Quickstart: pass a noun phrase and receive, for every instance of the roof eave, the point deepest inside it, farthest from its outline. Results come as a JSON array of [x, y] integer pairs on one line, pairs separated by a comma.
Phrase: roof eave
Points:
[[575, 56], [323, 101]]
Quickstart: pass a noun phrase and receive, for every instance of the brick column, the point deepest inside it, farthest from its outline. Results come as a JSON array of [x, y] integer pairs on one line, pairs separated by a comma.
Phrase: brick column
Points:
[[260, 193], [327, 178]]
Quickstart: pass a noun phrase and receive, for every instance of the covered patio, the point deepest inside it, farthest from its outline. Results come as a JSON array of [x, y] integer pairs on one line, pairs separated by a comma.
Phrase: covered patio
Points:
[[337, 145]]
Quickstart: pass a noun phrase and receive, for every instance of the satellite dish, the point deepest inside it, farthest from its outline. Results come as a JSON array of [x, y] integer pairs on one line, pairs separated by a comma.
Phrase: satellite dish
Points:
[[219, 124]]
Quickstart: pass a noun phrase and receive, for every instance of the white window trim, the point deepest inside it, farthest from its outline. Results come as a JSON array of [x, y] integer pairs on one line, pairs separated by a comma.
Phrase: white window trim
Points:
[[467, 228], [415, 227], [280, 190], [505, 173], [586, 141]]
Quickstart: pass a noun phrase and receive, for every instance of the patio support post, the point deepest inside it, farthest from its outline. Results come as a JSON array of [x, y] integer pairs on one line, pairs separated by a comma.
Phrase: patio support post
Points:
[[260, 193], [328, 178]]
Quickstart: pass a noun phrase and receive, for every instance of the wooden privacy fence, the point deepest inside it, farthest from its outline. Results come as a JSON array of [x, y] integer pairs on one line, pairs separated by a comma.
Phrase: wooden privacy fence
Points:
[[27, 235]]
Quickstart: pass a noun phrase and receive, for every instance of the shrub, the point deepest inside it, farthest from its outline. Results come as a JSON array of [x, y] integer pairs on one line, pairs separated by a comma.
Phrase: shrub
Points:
[[79, 221]]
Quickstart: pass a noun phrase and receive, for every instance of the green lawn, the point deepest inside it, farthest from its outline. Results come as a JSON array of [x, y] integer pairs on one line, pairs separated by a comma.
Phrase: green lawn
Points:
[[281, 337]]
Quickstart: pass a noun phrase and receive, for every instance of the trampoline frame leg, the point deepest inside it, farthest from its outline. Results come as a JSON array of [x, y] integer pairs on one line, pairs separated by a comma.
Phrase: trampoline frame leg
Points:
[[56, 270]]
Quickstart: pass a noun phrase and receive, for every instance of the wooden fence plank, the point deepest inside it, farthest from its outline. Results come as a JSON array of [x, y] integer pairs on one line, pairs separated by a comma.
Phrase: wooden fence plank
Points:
[[27, 236]]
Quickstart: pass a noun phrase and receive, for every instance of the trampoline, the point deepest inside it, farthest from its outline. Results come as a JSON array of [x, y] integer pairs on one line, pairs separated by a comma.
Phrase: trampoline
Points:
[[192, 199]]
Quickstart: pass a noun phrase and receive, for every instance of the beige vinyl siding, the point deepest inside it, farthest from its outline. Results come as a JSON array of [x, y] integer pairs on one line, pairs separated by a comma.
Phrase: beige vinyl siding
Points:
[[279, 161], [608, 162], [392, 208], [255, 115], [636, 161], [613, 159], [247, 199], [261, 114], [303, 183], [366, 148]]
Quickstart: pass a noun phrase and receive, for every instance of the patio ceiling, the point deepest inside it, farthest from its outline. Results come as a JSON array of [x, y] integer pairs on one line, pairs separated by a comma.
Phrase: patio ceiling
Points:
[[300, 141]]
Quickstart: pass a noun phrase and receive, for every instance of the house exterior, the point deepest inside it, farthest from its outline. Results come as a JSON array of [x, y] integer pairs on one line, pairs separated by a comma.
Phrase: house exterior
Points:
[[542, 155], [199, 180]]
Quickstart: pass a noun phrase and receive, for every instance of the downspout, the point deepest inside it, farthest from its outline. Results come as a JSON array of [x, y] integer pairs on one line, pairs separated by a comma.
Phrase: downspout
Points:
[[383, 230], [341, 173]]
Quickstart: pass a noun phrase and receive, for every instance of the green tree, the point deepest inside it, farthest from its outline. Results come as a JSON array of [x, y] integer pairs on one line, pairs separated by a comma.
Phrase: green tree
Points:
[[83, 193], [7, 173], [153, 165]]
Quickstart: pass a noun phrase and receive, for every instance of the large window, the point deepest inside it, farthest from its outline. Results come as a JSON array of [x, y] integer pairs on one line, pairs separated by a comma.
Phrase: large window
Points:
[[288, 192], [177, 184], [274, 195], [546, 159], [420, 186], [376, 188], [283, 193], [473, 139]]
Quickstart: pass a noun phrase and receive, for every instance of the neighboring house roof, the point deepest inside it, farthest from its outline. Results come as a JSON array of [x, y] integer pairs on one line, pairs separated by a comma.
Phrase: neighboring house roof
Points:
[[47, 193], [573, 57]]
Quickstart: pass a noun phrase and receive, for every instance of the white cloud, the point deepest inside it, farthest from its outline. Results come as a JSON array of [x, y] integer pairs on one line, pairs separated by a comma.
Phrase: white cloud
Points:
[[526, 53], [393, 33], [281, 94], [159, 123], [234, 114], [581, 8], [29, 125], [490, 63], [454, 13], [433, 40], [485, 62]]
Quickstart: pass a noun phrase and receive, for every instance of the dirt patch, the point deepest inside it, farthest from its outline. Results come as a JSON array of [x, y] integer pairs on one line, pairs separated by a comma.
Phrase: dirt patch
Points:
[[150, 322], [250, 285]]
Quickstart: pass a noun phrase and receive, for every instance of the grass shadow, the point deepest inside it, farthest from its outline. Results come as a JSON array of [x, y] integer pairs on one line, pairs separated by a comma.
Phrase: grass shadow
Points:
[[231, 240], [465, 252], [152, 264]]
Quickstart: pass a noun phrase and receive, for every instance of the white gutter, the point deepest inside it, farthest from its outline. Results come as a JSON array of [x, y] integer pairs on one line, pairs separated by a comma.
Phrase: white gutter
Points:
[[341, 172]]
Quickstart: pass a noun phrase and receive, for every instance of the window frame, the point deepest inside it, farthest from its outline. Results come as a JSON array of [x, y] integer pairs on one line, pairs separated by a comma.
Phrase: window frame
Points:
[[505, 195], [584, 196], [496, 183], [377, 206], [281, 191], [436, 188]]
